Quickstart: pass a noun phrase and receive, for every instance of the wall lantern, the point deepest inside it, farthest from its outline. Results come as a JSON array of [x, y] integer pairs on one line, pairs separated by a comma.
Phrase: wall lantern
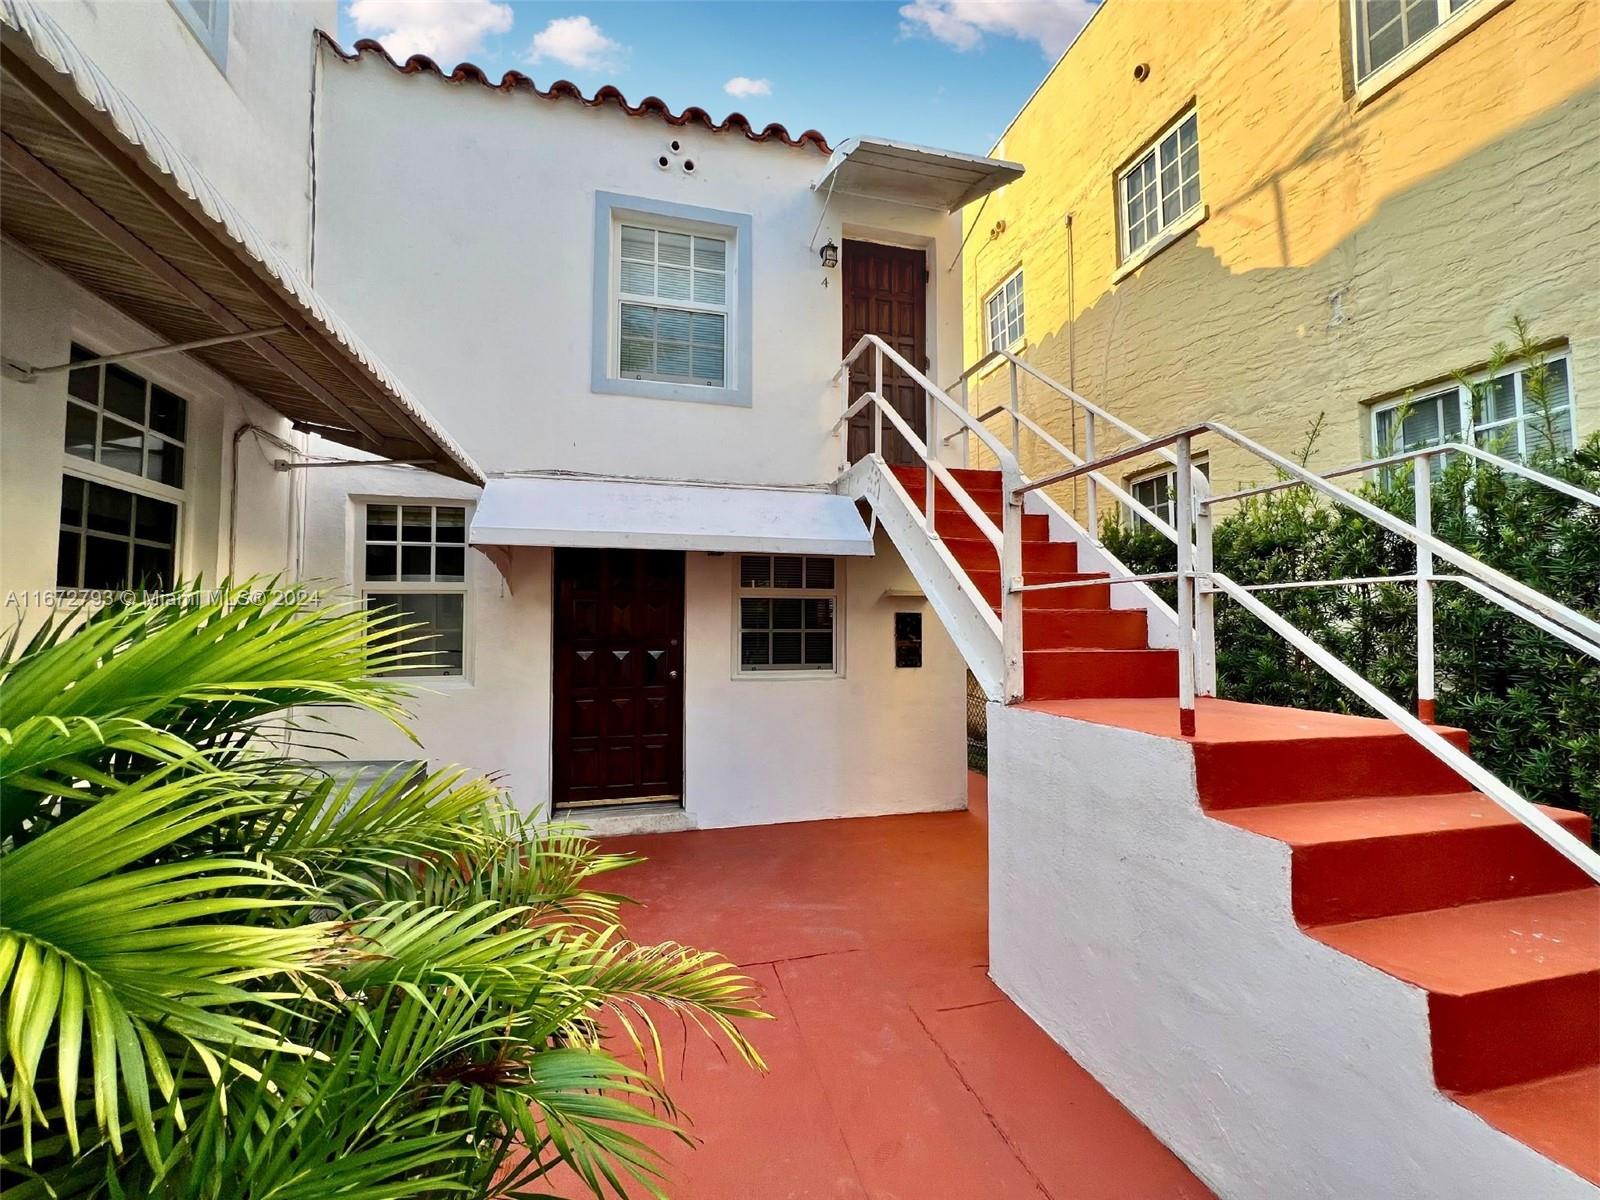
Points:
[[830, 256]]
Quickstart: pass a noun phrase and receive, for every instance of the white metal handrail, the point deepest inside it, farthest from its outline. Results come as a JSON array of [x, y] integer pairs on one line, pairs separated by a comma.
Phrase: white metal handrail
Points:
[[1197, 577], [1007, 540]]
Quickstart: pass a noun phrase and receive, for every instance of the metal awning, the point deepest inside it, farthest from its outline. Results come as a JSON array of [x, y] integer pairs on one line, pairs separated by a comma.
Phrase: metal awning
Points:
[[633, 514], [915, 175], [91, 187]]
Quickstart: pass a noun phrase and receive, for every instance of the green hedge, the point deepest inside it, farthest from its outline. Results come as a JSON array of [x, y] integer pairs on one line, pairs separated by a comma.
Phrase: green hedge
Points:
[[1531, 704]]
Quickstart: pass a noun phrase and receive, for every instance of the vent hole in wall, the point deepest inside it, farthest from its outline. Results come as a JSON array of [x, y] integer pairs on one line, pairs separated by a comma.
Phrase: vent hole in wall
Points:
[[676, 146], [688, 166], [662, 162]]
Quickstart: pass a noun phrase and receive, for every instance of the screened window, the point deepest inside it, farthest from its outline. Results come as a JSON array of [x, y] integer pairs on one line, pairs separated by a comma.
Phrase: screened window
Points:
[[1520, 410], [1162, 186], [1003, 310], [1158, 491], [1384, 28], [788, 604], [672, 311], [113, 538], [123, 421], [208, 21], [414, 570]]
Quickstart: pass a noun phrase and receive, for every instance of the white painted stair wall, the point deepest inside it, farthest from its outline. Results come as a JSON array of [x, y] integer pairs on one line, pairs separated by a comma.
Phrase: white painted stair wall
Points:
[[1157, 946]]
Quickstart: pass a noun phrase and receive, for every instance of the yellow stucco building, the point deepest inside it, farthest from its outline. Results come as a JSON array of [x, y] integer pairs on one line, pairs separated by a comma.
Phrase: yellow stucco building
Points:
[[1260, 211]]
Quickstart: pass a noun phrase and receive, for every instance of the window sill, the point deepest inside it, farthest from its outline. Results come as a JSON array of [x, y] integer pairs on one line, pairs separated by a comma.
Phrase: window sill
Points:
[[788, 676], [1424, 48], [686, 393], [1184, 226]]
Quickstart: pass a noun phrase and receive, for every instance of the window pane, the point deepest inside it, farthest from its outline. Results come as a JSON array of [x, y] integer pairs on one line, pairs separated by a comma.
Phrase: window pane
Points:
[[672, 325], [450, 564], [416, 564], [710, 254], [439, 622], [638, 243], [152, 568], [450, 525], [819, 649], [755, 612], [110, 509], [81, 425], [672, 249], [121, 446], [819, 573], [672, 283], [818, 614], [167, 413], [787, 649], [638, 279], [84, 384], [125, 394], [381, 523], [638, 358], [707, 366], [788, 614], [754, 649], [672, 359], [67, 560], [164, 463], [755, 570], [71, 500], [638, 321], [710, 287], [381, 563], [788, 571], [1500, 399], [105, 563], [416, 524], [155, 520]]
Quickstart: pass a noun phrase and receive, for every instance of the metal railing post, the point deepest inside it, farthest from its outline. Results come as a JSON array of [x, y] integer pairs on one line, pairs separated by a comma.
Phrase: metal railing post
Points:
[[1011, 593], [966, 435], [1016, 425], [930, 413], [1422, 487], [877, 404], [1091, 499], [844, 428], [1205, 600], [1184, 520]]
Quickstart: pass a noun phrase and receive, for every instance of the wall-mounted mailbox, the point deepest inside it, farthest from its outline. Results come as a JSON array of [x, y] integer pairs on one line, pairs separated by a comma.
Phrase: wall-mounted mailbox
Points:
[[908, 639]]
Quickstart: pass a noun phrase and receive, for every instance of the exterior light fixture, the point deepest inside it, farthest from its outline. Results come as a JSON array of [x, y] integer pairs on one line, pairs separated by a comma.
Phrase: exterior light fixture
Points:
[[830, 256]]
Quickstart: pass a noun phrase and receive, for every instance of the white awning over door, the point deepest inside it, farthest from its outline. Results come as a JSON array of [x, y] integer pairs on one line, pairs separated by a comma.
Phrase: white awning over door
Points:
[[634, 514]]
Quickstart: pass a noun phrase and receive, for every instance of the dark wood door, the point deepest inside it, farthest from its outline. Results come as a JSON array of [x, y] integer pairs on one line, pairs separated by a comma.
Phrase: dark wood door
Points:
[[618, 719], [886, 292]]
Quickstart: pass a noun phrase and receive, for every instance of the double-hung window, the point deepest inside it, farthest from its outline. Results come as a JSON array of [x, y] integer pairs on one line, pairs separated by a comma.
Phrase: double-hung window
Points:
[[414, 571], [672, 296], [1521, 409], [788, 614], [122, 480], [672, 300], [1384, 29], [1162, 186], [1003, 314]]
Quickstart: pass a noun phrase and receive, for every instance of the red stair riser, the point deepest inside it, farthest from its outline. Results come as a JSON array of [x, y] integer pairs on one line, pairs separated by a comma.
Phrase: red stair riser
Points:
[[1094, 595], [1406, 873], [1078, 674], [957, 526], [975, 555], [1070, 628], [1514, 1034], [1240, 774]]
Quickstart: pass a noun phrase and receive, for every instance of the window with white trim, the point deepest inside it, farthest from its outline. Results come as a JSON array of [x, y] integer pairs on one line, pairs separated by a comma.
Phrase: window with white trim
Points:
[[414, 569], [788, 614], [122, 480], [1003, 314], [208, 21], [1157, 490], [1385, 28], [1521, 409], [672, 305], [1162, 186]]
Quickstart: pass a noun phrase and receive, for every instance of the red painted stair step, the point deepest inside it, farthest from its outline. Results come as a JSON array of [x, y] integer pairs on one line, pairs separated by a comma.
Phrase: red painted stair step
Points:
[[1237, 774], [978, 554], [1380, 856], [1093, 595], [1071, 674], [1557, 1115], [1083, 628]]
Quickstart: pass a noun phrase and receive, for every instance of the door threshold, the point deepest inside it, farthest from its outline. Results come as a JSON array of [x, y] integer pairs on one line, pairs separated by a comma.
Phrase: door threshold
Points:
[[610, 820]]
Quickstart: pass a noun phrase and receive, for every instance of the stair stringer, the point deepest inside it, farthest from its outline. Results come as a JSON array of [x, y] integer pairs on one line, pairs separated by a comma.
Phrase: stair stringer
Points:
[[1158, 946], [960, 607]]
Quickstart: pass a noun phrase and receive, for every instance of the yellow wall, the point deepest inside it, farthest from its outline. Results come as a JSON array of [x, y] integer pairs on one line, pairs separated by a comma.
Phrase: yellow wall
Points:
[[1466, 193]]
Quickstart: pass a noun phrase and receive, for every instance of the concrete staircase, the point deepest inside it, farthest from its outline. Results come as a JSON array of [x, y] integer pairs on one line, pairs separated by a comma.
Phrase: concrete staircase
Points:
[[1392, 863]]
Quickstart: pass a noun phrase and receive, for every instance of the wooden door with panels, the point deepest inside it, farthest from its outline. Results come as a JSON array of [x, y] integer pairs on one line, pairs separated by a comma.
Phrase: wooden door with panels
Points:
[[886, 293], [617, 724]]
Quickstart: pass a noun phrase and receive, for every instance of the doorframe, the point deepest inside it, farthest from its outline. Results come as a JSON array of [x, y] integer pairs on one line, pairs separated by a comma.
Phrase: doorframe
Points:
[[851, 231]]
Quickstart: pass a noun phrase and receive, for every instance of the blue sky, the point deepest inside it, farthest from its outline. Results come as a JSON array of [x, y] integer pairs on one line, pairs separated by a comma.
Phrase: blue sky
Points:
[[947, 73]]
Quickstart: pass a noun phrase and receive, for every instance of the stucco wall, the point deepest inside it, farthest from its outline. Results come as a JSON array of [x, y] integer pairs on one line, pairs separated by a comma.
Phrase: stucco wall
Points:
[[41, 314], [758, 750], [1158, 947], [1352, 250], [455, 229], [246, 124]]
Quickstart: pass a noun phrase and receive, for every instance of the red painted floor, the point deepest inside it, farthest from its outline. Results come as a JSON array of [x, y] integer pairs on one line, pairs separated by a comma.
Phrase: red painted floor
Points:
[[897, 1070]]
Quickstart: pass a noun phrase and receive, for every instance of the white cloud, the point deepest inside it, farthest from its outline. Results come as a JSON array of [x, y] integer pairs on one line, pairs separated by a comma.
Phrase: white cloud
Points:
[[743, 85], [963, 23], [447, 30], [576, 41]]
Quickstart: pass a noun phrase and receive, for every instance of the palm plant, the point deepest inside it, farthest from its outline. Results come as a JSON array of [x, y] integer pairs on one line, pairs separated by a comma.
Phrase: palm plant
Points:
[[229, 973]]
